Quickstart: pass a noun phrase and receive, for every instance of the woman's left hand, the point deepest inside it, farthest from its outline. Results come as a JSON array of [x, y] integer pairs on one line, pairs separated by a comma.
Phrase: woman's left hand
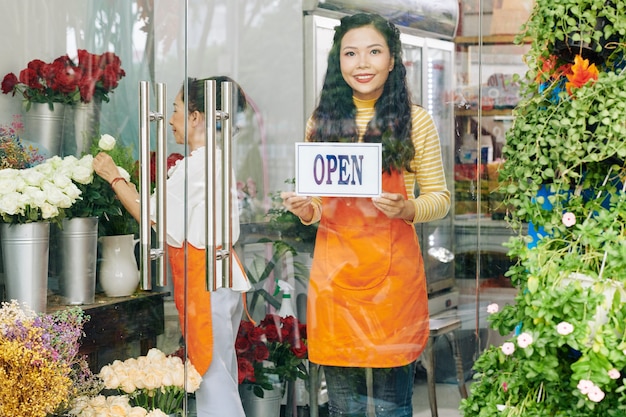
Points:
[[394, 206]]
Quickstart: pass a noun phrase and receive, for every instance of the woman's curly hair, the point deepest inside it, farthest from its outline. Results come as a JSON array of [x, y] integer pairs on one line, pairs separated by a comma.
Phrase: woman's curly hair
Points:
[[334, 118]]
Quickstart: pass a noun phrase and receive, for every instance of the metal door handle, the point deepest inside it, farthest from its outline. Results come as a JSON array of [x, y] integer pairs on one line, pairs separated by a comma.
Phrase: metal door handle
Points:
[[215, 252], [147, 253]]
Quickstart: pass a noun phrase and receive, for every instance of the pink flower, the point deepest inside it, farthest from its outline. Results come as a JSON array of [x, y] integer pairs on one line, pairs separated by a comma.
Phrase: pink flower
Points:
[[595, 394], [568, 219], [505, 387], [613, 373], [524, 340], [584, 386], [564, 328], [508, 348], [492, 308]]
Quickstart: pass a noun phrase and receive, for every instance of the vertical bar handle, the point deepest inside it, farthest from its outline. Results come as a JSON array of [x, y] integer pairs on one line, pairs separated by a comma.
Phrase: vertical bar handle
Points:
[[209, 180], [227, 182], [161, 171], [144, 184]]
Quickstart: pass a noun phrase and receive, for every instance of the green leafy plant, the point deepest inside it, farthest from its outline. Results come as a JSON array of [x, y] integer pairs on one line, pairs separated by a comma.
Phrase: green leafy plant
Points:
[[563, 179], [98, 198]]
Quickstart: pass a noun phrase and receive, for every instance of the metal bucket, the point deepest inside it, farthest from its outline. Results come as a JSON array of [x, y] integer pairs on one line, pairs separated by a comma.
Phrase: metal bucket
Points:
[[44, 127], [268, 406], [78, 247], [25, 249]]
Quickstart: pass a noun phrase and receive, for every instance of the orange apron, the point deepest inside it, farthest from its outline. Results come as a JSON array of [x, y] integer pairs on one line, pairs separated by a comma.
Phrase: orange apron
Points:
[[199, 334], [367, 304]]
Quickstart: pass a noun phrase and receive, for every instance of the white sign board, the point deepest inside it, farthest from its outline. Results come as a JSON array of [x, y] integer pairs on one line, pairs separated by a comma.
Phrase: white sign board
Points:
[[339, 169]]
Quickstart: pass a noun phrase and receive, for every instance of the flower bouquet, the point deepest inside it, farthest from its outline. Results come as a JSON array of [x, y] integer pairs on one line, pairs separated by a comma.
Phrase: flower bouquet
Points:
[[65, 81], [42, 192], [153, 382], [40, 368], [98, 198], [274, 351]]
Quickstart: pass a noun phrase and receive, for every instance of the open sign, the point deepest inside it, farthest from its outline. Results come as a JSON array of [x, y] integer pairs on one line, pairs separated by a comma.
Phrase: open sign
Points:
[[339, 169]]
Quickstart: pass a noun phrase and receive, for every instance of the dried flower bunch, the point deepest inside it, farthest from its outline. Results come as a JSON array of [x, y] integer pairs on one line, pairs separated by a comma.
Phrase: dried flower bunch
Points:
[[14, 153], [40, 367]]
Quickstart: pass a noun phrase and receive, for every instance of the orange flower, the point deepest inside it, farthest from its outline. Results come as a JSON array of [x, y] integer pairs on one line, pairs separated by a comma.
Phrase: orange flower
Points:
[[581, 73]]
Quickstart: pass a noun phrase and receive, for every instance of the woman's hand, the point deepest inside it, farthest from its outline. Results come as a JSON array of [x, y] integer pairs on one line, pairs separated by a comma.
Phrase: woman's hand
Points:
[[105, 167], [299, 205], [395, 206]]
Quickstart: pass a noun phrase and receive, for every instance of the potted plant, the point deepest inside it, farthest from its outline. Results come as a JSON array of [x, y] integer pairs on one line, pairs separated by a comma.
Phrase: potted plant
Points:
[[563, 178], [271, 353]]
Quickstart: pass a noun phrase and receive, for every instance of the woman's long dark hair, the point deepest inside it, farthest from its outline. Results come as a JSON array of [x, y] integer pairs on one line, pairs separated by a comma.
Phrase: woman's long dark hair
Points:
[[334, 117]]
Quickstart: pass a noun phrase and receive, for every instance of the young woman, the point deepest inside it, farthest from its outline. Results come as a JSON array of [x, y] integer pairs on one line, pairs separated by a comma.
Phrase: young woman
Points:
[[212, 318], [367, 317]]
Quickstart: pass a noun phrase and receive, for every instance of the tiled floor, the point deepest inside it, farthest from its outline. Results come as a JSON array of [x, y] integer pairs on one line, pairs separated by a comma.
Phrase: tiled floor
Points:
[[448, 398]]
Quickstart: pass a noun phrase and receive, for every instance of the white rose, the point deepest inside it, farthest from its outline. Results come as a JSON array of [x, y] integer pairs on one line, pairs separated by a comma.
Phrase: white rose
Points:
[[55, 196], [73, 192], [140, 412], [11, 204], [48, 211], [61, 180], [118, 406], [156, 413], [123, 173], [82, 174], [106, 142], [34, 177], [34, 196]]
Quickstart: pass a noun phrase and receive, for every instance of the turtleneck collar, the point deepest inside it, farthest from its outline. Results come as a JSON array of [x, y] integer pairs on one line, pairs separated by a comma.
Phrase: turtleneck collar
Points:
[[364, 104]]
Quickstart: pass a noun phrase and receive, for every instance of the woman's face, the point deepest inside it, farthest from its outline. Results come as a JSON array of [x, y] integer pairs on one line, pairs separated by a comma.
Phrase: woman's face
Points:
[[365, 62], [177, 121]]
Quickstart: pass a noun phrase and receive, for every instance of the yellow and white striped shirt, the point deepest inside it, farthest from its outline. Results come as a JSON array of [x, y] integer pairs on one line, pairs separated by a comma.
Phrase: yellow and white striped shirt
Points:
[[433, 201]]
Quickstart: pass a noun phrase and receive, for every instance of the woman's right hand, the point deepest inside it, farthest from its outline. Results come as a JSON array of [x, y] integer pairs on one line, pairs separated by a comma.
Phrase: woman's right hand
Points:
[[299, 205], [105, 167]]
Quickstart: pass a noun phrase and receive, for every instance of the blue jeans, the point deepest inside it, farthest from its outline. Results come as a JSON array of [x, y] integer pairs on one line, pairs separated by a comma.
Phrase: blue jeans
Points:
[[389, 393]]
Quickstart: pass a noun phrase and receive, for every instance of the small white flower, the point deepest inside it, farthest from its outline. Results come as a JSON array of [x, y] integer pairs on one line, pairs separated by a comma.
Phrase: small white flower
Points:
[[564, 328], [508, 348], [106, 142], [595, 394], [493, 308], [501, 407], [585, 385], [613, 373], [524, 340]]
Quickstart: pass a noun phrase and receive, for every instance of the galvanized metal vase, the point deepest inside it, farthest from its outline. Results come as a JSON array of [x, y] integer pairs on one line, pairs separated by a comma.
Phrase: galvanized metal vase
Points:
[[268, 406], [43, 127], [25, 249], [78, 250]]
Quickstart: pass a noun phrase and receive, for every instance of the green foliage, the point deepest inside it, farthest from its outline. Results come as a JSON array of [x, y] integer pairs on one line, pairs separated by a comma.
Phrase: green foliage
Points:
[[571, 145]]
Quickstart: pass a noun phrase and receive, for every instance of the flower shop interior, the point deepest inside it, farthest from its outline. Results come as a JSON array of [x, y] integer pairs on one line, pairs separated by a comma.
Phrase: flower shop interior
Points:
[[526, 313]]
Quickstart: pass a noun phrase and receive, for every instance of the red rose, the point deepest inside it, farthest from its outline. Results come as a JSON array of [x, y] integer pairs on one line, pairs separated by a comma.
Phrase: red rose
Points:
[[256, 335], [87, 88], [9, 82], [261, 353], [242, 344], [37, 65], [109, 78], [30, 78], [299, 350], [245, 370], [272, 333], [171, 161]]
